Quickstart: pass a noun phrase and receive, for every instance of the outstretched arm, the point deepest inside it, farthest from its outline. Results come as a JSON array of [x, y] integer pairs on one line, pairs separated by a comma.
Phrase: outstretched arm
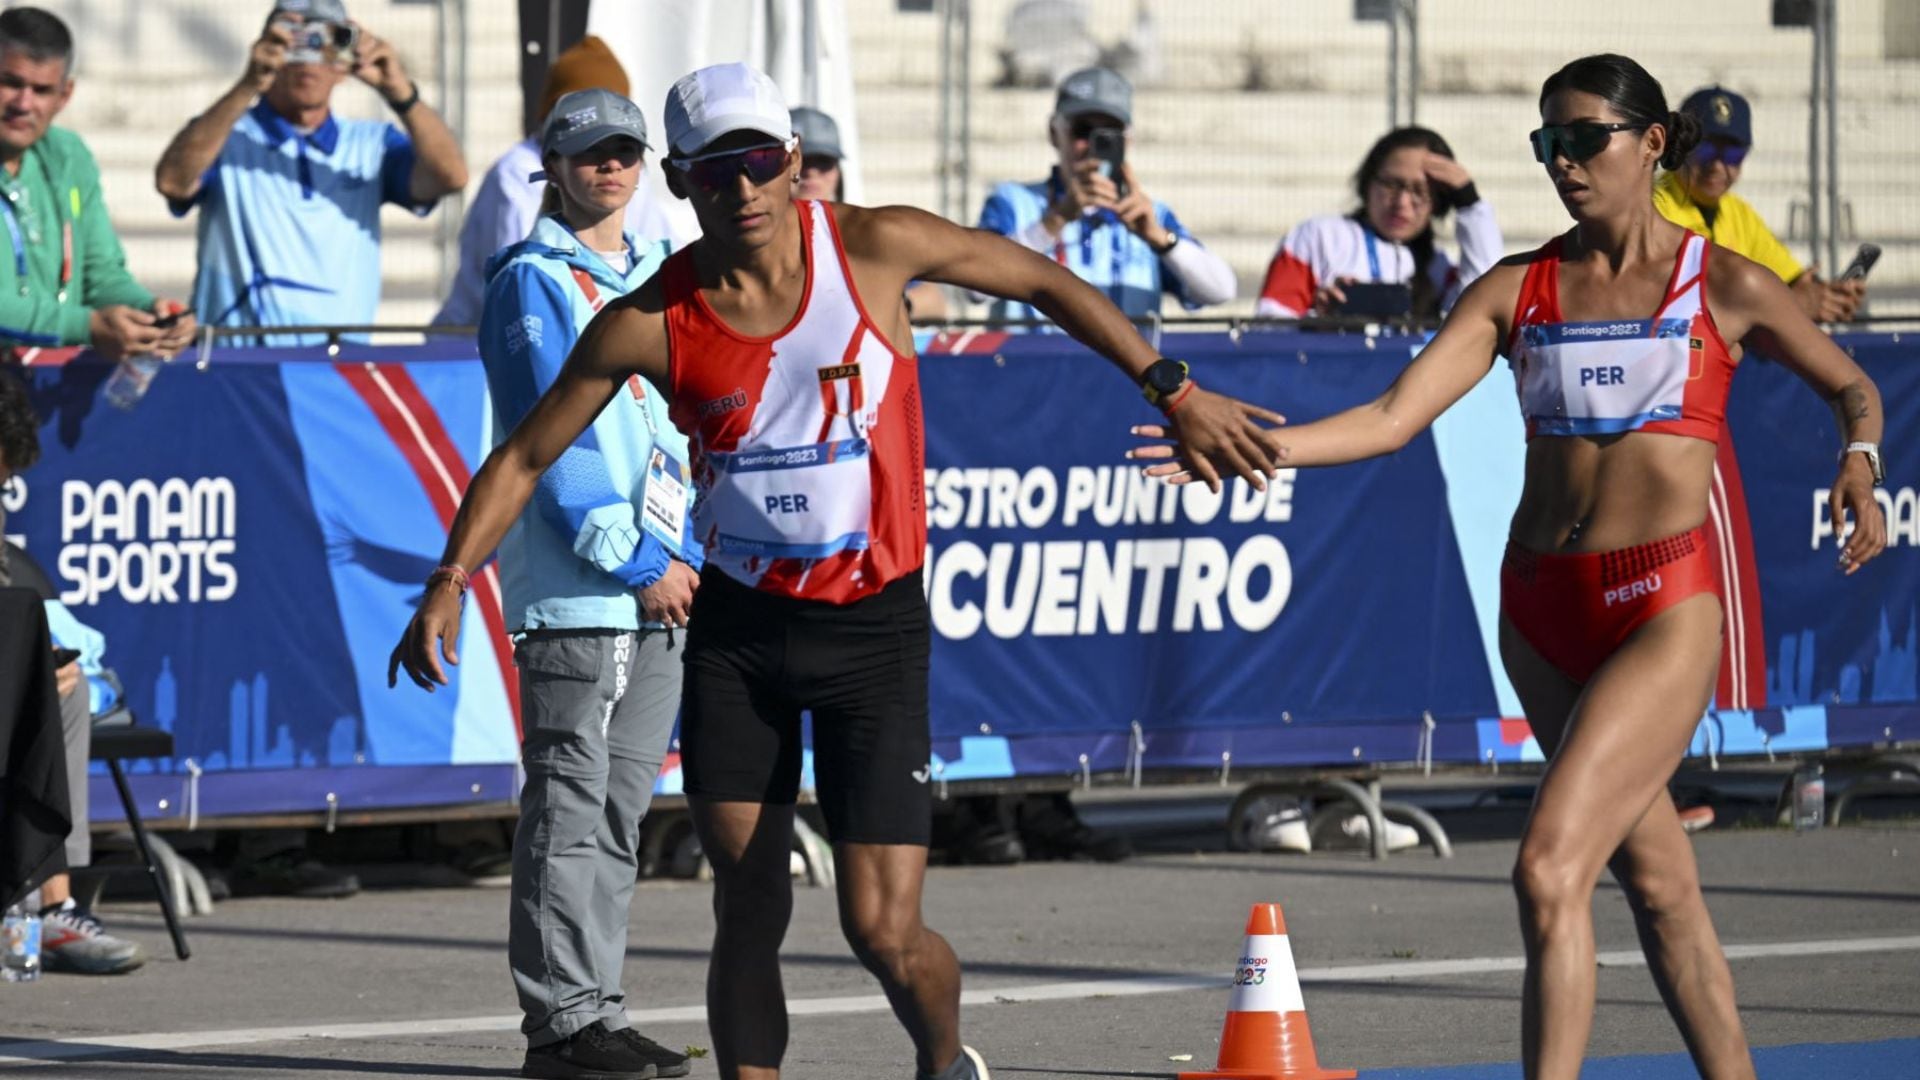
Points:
[[1451, 364], [1224, 435], [1747, 296], [621, 340]]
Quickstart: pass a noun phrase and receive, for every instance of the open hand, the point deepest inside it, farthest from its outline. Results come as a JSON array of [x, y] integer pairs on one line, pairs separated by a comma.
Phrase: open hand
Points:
[[1212, 435], [434, 627]]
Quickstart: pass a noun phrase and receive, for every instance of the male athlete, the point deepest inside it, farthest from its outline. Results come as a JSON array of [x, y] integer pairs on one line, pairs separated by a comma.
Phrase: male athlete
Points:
[[782, 342]]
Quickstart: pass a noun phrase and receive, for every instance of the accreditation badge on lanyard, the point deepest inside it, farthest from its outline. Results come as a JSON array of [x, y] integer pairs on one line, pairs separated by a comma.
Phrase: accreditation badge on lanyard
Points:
[[663, 509]]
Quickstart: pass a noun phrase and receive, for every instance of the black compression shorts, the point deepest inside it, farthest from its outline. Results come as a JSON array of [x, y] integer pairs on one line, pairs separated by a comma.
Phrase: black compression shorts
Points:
[[755, 660]]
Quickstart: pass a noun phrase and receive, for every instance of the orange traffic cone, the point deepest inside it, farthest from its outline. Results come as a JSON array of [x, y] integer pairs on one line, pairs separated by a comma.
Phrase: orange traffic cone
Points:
[[1266, 1036]]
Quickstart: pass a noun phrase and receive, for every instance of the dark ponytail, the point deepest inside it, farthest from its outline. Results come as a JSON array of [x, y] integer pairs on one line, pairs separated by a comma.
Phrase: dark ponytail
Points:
[[1633, 93], [1426, 296], [1683, 134]]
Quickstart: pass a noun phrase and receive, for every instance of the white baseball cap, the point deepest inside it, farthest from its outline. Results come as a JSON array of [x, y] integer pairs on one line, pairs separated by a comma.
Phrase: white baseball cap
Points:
[[722, 99]]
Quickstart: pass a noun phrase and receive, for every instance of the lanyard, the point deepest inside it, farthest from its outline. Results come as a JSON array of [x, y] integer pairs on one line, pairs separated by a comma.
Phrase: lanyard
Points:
[[635, 385], [20, 246], [1373, 252]]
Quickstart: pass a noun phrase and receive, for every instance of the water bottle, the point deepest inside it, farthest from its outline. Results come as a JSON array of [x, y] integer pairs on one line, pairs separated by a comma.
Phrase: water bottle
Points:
[[1810, 796], [20, 943], [130, 380]]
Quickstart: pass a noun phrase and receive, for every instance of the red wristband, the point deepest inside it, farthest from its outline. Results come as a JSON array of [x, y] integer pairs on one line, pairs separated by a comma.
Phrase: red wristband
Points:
[[1180, 396], [450, 572]]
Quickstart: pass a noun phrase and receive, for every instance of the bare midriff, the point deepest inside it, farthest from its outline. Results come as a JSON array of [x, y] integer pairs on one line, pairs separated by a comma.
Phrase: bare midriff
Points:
[[1602, 493]]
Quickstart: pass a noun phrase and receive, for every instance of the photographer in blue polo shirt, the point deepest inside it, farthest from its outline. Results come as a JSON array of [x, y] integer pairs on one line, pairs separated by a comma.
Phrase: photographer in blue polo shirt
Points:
[[1093, 217], [290, 195]]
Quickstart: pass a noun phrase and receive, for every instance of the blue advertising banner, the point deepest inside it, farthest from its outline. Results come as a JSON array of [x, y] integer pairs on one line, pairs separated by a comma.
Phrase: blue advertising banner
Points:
[[252, 536]]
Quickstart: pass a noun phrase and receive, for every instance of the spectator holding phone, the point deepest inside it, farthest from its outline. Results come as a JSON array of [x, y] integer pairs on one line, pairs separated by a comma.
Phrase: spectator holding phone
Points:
[[1698, 196], [1093, 217], [1408, 180], [289, 195], [67, 283]]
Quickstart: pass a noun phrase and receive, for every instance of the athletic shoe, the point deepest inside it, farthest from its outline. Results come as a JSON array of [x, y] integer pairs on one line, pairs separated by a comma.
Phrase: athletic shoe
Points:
[[292, 873], [72, 940], [592, 1053], [665, 1062], [1695, 818], [1355, 831], [968, 1066], [1274, 824]]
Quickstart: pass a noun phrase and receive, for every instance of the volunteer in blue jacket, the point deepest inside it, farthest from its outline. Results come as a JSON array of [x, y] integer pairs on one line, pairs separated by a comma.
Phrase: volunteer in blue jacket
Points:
[[599, 573]]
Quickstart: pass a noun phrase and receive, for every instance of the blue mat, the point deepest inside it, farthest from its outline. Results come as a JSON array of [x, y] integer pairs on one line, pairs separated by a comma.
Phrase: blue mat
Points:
[[1893, 1059]]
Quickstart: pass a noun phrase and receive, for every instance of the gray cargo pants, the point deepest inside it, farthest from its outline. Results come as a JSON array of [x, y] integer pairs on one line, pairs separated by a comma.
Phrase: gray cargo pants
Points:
[[597, 708]]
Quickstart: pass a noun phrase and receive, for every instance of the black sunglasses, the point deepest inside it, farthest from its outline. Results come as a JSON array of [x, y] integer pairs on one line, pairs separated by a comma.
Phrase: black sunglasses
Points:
[[1577, 141], [713, 172]]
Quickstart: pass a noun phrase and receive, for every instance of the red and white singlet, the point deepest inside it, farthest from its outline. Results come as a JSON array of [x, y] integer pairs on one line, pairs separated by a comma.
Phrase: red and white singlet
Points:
[[1668, 374], [807, 444]]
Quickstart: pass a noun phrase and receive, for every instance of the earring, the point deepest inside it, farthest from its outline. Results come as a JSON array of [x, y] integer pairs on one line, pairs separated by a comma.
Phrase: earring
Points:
[[796, 178]]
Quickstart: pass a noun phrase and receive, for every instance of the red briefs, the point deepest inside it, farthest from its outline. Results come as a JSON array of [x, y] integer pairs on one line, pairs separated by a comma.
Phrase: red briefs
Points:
[[1575, 610]]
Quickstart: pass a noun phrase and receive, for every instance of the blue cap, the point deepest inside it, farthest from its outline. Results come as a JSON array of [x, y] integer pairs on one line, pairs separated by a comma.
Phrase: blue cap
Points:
[[1722, 113]]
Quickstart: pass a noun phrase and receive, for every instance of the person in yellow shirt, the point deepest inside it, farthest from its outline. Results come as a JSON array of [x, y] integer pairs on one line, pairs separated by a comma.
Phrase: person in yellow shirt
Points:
[[1699, 196]]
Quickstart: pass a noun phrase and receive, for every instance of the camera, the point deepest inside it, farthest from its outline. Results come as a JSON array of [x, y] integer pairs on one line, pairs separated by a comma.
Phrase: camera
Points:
[[320, 43]]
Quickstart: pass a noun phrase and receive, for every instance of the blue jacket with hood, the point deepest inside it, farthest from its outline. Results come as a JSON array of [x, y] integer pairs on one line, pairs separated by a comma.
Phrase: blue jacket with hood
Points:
[[578, 554]]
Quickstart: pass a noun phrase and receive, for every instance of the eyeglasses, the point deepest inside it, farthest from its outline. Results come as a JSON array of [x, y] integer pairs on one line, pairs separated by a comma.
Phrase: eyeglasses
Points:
[[1709, 151], [1415, 191], [713, 172], [1577, 141]]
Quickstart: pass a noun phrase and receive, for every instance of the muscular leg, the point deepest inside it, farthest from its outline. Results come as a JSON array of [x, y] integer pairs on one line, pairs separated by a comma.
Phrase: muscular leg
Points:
[[749, 846], [1613, 748], [880, 889]]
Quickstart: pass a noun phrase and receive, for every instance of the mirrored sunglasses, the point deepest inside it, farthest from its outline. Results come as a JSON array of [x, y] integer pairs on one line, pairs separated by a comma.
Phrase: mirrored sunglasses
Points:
[[712, 172]]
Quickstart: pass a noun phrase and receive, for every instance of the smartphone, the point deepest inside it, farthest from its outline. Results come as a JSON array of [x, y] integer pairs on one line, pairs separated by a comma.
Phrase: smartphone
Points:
[[1376, 298], [1862, 263], [1108, 146], [62, 656]]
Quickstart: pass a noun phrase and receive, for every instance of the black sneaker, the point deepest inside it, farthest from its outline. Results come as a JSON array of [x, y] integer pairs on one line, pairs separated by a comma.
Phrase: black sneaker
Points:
[[665, 1062], [291, 873], [592, 1053]]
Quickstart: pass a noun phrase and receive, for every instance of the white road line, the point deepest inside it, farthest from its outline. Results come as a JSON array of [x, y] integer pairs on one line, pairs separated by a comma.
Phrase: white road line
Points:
[[25, 1053]]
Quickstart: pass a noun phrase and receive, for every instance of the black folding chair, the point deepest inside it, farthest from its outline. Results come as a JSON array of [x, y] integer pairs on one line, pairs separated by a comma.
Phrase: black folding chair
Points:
[[116, 736]]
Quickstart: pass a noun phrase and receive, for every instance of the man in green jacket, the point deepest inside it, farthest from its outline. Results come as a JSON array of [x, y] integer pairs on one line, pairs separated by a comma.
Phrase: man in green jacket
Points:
[[67, 281]]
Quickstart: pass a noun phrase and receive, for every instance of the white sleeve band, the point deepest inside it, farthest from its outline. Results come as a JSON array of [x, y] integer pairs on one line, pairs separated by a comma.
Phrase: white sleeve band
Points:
[[1481, 245], [1208, 278]]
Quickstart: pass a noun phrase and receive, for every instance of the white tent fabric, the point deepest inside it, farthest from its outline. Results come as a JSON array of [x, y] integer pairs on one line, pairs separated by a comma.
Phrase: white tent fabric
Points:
[[659, 42]]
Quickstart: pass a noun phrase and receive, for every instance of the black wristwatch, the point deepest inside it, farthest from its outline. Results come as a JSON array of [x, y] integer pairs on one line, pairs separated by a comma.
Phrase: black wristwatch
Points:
[[401, 107], [1161, 379]]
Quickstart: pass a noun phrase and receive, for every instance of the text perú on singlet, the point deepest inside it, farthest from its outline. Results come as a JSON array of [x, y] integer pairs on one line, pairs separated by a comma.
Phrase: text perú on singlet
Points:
[[1668, 374], [807, 444]]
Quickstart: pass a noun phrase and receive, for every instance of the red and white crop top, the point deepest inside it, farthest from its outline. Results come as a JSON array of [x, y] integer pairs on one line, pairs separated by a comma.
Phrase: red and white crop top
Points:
[[1668, 374]]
